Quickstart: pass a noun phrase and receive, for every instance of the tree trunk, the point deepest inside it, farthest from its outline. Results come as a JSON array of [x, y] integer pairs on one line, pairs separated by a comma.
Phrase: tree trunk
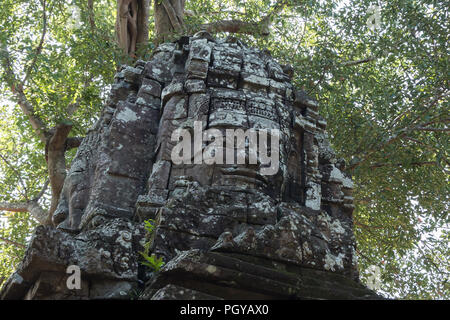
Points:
[[132, 24], [169, 19], [56, 163]]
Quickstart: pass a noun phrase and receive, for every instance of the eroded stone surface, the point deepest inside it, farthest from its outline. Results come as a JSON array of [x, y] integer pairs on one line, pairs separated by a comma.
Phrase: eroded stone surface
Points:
[[106, 254]]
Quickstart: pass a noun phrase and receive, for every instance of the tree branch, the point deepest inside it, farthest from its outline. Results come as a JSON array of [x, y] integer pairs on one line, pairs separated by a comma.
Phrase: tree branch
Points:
[[400, 134], [368, 258], [430, 129], [14, 243], [418, 163], [32, 207], [55, 142], [433, 102], [354, 63], [91, 14], [56, 163], [73, 142], [17, 90], [14, 206], [41, 193], [175, 20], [59, 137], [72, 107], [40, 45], [237, 26], [24, 186], [372, 151], [261, 27]]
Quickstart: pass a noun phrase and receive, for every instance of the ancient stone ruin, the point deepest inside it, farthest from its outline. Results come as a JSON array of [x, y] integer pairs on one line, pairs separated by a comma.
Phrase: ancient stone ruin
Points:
[[223, 230]]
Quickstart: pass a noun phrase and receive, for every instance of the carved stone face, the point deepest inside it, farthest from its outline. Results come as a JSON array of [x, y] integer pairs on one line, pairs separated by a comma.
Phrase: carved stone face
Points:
[[229, 87], [75, 193], [111, 166]]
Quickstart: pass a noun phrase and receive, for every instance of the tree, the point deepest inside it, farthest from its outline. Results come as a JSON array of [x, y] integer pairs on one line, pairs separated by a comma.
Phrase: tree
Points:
[[384, 92], [48, 98], [170, 20], [132, 24]]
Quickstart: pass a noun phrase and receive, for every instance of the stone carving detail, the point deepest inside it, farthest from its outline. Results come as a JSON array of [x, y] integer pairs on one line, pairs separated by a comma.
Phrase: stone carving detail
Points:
[[224, 230]]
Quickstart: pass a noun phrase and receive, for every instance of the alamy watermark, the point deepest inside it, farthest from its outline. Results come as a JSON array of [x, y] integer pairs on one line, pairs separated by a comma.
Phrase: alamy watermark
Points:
[[213, 146], [74, 21], [374, 277], [73, 281], [374, 20]]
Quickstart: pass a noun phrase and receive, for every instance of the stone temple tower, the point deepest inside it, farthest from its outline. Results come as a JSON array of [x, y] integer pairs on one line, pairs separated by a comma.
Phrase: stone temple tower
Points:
[[224, 230]]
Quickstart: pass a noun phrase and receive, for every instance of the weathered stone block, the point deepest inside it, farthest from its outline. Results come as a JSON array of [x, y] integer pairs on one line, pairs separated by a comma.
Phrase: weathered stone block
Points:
[[175, 88], [199, 50], [150, 87], [159, 178], [198, 105], [218, 79], [227, 61], [175, 108], [132, 75], [195, 86], [254, 83]]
